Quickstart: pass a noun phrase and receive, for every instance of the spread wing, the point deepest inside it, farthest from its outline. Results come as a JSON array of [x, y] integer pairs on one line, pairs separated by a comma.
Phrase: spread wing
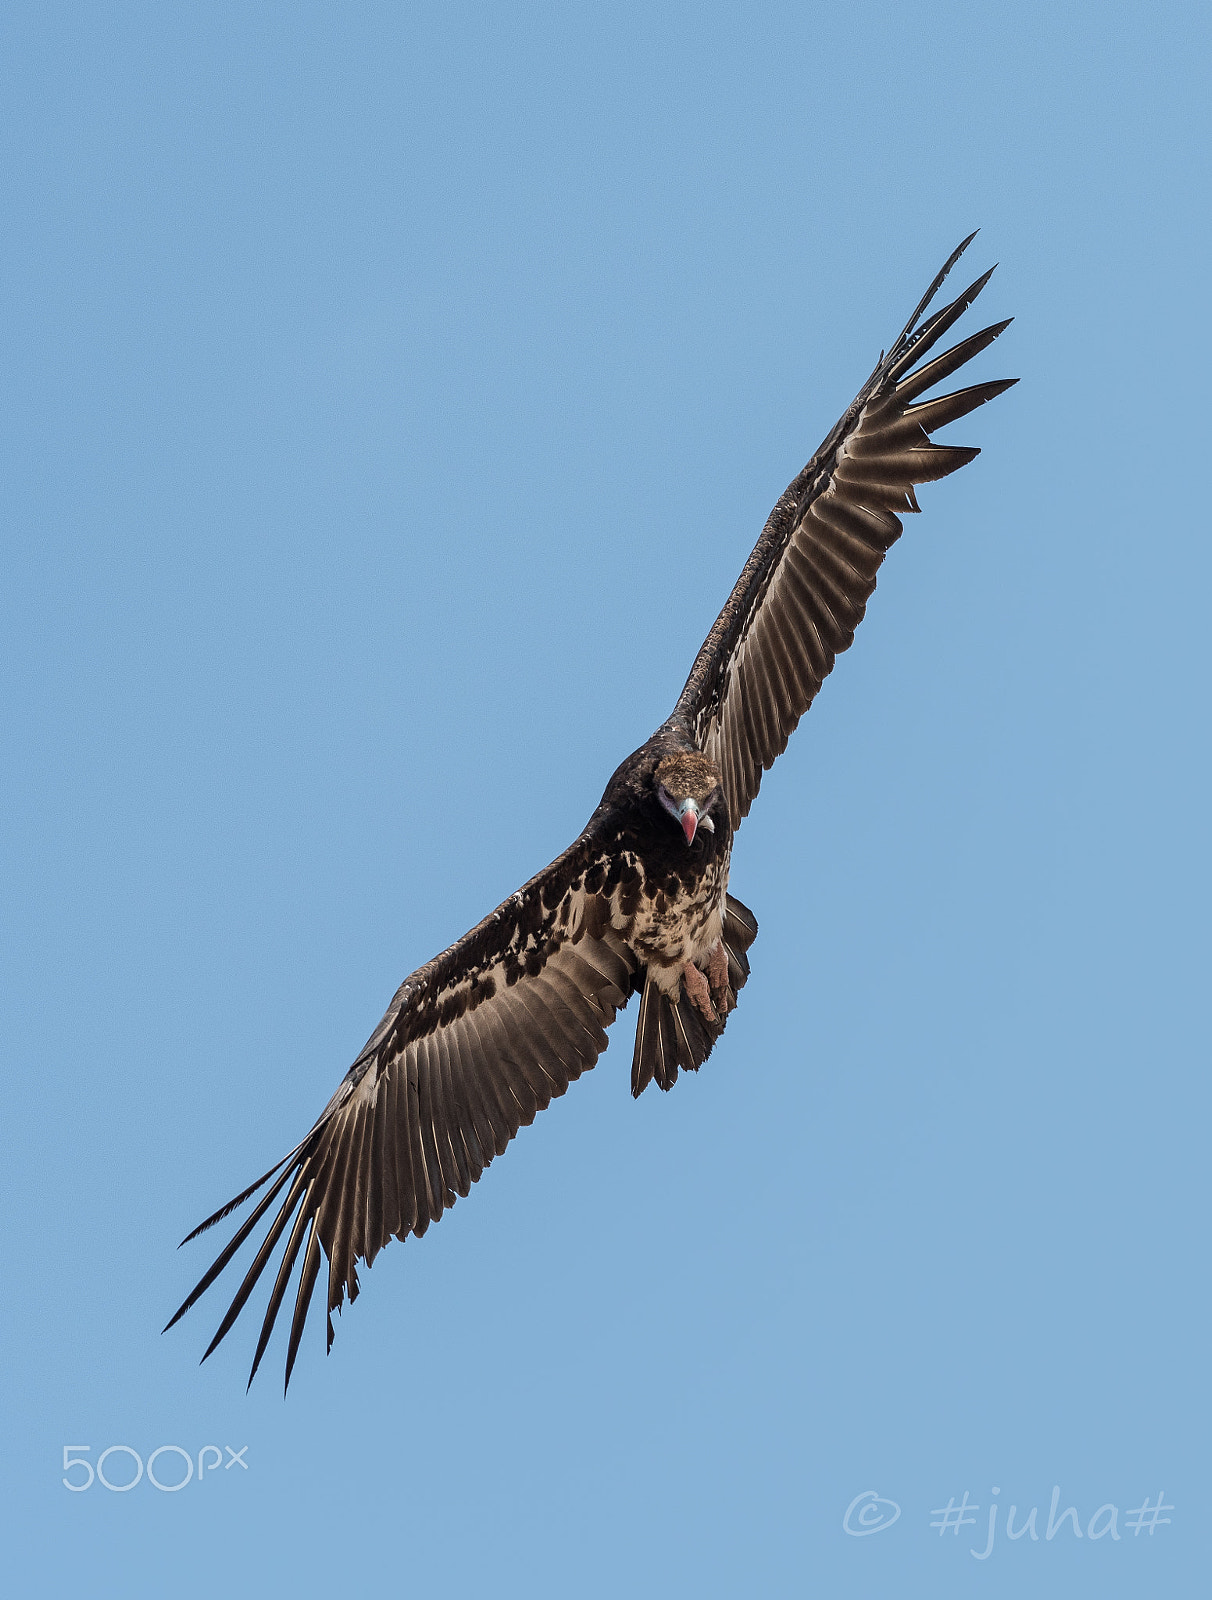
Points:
[[804, 589], [471, 1047]]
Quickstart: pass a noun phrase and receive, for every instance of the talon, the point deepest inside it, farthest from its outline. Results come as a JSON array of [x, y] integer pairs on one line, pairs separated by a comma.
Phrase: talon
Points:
[[697, 992], [717, 976]]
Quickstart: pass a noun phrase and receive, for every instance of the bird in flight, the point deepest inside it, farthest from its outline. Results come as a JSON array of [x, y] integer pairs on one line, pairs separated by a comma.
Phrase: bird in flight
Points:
[[486, 1034]]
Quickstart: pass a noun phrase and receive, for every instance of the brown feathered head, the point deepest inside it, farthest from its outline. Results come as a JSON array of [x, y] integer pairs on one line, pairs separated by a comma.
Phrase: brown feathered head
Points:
[[686, 783]]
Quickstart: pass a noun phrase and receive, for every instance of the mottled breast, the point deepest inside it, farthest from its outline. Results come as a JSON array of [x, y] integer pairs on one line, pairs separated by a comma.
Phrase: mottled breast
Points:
[[678, 918]]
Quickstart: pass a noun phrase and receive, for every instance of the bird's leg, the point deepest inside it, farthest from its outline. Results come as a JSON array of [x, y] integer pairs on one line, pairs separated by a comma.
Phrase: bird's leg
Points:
[[695, 985], [717, 976]]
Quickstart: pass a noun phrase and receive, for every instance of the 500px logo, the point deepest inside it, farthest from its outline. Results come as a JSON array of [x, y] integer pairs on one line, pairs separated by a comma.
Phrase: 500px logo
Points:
[[210, 1457]]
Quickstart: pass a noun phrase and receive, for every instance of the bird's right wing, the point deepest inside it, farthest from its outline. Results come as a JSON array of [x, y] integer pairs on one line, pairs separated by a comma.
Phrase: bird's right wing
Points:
[[805, 587], [472, 1046]]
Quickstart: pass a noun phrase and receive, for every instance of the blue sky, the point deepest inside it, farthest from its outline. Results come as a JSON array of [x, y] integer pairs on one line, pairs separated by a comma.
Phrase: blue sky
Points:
[[391, 397]]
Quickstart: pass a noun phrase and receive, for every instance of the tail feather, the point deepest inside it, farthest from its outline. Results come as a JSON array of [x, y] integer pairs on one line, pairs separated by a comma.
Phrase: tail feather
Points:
[[673, 1035]]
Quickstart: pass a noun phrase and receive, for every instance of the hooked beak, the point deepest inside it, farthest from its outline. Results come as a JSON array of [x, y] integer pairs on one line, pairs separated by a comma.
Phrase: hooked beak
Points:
[[688, 816]]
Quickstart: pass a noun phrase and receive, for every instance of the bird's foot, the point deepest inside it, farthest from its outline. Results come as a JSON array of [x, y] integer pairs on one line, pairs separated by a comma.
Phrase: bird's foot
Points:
[[697, 991], [717, 976]]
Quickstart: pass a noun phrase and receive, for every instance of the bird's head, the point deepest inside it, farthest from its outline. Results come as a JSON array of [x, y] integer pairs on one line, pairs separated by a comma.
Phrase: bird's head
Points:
[[688, 785]]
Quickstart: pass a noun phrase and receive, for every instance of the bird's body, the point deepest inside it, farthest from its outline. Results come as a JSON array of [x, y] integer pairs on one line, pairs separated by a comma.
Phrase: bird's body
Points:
[[669, 902], [482, 1037]]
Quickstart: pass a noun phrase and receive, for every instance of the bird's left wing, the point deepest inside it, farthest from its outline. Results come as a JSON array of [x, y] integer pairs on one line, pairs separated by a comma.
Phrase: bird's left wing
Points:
[[472, 1046], [805, 587]]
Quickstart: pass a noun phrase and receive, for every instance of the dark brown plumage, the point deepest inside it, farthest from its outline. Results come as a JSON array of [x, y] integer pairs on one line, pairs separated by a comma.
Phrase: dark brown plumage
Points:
[[483, 1036]]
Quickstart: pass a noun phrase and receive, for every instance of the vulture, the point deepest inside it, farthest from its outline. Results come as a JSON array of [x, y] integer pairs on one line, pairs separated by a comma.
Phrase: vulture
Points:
[[486, 1034]]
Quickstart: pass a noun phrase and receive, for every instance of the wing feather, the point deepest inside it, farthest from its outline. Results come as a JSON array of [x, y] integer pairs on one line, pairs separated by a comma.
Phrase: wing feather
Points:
[[804, 589], [473, 1045], [502, 1110], [307, 1283], [386, 1134], [262, 1256], [279, 1289]]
